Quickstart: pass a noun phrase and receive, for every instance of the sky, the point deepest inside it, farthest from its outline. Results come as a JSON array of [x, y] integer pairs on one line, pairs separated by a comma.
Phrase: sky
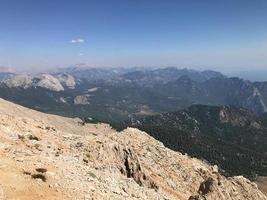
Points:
[[224, 35]]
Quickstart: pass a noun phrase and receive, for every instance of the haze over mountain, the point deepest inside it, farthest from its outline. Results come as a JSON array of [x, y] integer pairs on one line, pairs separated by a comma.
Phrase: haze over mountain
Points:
[[252, 75]]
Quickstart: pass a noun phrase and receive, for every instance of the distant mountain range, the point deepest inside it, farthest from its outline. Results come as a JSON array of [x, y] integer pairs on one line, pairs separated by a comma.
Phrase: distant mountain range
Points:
[[229, 128], [119, 93]]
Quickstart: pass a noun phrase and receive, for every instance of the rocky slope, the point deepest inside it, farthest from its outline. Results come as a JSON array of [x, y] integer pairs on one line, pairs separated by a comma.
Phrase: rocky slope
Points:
[[50, 157], [233, 138]]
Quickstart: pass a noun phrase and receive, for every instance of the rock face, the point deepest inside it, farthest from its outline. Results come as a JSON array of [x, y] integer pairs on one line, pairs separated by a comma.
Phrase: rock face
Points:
[[81, 100], [25, 81], [236, 117], [50, 157], [49, 82], [66, 80], [21, 80]]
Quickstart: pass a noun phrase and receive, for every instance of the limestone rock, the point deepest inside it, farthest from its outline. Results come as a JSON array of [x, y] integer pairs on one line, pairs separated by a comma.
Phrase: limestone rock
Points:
[[81, 100], [66, 80], [49, 82], [25, 81]]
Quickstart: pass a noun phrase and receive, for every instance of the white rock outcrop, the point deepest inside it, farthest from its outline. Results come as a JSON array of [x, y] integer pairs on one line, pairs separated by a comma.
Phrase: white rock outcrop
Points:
[[66, 80], [25, 81], [49, 82], [20, 80]]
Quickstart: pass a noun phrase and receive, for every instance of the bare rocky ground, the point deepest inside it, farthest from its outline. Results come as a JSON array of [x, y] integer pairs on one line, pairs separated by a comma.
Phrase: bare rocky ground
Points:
[[51, 157], [262, 183]]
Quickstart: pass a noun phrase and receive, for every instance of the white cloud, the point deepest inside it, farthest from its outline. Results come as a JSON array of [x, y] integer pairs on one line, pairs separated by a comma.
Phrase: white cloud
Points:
[[78, 40]]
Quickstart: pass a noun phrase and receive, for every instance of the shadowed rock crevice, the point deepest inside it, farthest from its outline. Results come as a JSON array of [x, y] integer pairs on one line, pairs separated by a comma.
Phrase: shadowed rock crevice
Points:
[[206, 186], [132, 169]]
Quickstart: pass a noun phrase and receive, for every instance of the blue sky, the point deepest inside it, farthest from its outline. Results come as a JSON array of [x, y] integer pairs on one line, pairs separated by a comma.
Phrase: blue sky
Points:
[[216, 34]]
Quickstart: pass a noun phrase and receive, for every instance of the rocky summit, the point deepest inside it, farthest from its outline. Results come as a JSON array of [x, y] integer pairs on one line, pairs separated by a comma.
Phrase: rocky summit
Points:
[[45, 156], [47, 81]]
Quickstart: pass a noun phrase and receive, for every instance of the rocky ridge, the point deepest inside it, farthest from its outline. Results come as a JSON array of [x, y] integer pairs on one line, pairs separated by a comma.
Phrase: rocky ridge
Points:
[[50, 157], [47, 81], [66, 80]]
